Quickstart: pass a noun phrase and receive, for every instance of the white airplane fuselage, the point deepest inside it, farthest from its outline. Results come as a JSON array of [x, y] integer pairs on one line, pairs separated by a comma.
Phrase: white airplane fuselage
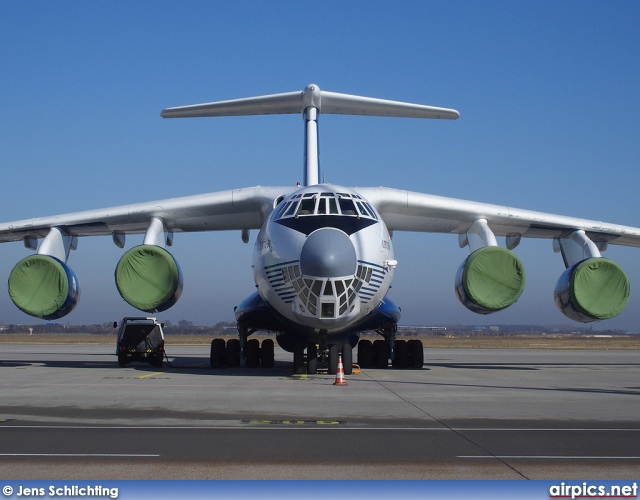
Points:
[[323, 260]]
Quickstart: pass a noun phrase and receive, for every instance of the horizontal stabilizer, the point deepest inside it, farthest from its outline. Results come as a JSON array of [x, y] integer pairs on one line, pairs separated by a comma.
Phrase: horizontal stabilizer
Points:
[[311, 96], [275, 104], [345, 104]]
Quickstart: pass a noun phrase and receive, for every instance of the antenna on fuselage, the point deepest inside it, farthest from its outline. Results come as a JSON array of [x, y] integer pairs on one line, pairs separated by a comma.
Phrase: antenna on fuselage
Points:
[[311, 102]]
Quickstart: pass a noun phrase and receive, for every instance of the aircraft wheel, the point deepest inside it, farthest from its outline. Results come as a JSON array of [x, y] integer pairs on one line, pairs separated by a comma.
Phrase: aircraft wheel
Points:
[[122, 360], [312, 359], [216, 358], [232, 353], [266, 354], [334, 350], [380, 354], [252, 353], [401, 354], [416, 354], [298, 359], [347, 359], [365, 354]]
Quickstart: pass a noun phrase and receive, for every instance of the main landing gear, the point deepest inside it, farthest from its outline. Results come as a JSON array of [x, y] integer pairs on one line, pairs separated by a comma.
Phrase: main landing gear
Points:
[[403, 354], [232, 353], [251, 353]]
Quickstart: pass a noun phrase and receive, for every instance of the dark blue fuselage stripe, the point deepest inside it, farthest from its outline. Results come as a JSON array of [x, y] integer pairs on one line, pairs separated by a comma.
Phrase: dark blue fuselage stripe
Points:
[[281, 264], [371, 264]]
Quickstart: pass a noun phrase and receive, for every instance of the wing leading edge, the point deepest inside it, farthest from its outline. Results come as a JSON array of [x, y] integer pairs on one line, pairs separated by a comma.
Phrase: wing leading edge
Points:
[[410, 211], [225, 210], [247, 209]]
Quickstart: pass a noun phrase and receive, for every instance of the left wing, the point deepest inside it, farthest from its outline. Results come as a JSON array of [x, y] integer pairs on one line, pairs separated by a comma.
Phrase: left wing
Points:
[[410, 211], [492, 278]]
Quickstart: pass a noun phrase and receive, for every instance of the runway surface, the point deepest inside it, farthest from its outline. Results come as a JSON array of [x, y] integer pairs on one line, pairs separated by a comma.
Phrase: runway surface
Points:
[[69, 412]]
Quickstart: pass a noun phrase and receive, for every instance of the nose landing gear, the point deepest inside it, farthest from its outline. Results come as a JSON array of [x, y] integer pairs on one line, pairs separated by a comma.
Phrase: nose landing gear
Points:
[[322, 354]]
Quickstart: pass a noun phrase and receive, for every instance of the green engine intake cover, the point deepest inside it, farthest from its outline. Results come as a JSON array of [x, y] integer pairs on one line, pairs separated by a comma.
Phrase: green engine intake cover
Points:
[[599, 288], [149, 278], [40, 286], [493, 278]]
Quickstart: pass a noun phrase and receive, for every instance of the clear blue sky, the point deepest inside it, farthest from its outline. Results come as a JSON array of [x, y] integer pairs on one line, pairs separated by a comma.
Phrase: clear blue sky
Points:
[[547, 91]]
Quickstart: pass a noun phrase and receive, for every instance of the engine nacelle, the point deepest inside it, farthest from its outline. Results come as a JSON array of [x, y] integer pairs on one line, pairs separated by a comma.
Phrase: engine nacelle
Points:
[[489, 280], [44, 287], [592, 290], [149, 278]]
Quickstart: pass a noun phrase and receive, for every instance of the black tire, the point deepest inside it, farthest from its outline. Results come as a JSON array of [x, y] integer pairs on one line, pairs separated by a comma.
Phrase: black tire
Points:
[[380, 354], [157, 360], [334, 351], [216, 358], [401, 355], [416, 354], [266, 354], [232, 353], [347, 359], [365, 354], [312, 359], [252, 353], [298, 359], [122, 360]]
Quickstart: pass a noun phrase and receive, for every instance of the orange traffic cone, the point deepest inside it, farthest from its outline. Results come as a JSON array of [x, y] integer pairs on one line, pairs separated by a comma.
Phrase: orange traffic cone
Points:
[[340, 374]]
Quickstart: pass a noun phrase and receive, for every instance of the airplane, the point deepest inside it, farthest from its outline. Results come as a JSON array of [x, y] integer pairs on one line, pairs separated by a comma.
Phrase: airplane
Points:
[[323, 258]]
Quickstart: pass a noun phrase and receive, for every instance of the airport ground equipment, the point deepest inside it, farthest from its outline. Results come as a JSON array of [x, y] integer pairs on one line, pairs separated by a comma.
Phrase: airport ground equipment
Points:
[[140, 339]]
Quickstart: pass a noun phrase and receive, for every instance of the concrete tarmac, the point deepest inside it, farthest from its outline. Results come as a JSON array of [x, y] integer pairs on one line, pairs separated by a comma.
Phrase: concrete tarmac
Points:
[[69, 412]]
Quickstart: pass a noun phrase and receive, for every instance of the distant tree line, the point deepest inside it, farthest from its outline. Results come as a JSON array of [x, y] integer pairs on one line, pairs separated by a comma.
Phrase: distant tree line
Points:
[[223, 328], [183, 327]]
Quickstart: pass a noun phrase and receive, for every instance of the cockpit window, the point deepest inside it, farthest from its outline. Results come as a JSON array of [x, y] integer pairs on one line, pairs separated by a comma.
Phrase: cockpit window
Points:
[[322, 207], [290, 209], [306, 206], [325, 203], [347, 207]]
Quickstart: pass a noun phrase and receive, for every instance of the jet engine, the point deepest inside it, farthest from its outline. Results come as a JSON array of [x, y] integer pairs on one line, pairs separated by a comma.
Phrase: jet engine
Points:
[[592, 290], [44, 286], [149, 278], [489, 280]]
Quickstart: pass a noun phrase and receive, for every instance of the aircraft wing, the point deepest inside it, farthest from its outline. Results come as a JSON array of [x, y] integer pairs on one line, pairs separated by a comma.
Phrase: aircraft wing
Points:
[[409, 211], [225, 210]]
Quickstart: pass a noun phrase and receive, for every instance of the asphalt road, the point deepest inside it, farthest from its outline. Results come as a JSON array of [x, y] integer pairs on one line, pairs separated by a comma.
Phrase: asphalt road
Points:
[[70, 412]]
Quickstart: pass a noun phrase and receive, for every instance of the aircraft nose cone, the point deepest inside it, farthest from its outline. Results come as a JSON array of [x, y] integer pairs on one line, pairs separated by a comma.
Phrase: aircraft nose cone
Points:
[[328, 253]]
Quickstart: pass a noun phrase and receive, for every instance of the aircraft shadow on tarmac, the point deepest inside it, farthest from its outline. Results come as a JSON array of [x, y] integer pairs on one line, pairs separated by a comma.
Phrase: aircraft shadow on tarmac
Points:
[[284, 368], [626, 391], [52, 363], [200, 366], [484, 366]]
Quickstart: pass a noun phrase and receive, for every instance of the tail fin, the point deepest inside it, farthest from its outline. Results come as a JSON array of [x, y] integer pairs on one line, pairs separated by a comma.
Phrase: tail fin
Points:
[[311, 102]]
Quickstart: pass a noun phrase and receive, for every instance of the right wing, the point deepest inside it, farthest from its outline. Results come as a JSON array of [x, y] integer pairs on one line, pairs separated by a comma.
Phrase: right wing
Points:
[[147, 276]]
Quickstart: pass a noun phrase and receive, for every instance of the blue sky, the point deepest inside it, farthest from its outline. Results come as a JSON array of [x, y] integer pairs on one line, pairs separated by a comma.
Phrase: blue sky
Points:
[[547, 91]]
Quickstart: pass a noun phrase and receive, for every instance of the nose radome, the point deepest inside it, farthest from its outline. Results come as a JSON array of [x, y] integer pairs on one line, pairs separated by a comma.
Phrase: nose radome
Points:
[[328, 253]]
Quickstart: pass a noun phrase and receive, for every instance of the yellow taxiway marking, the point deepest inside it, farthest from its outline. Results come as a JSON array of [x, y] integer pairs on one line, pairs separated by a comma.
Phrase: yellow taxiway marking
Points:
[[294, 422], [151, 375]]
